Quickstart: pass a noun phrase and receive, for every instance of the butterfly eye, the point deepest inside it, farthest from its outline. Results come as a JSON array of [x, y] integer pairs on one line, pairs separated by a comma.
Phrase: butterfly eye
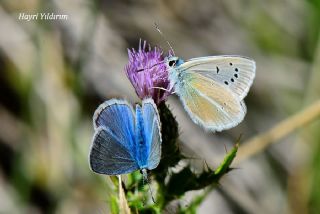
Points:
[[172, 62]]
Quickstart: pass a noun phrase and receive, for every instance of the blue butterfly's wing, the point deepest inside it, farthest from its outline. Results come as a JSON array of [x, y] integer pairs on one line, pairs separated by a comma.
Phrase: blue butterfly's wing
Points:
[[118, 117], [113, 143], [152, 134], [108, 156], [148, 137]]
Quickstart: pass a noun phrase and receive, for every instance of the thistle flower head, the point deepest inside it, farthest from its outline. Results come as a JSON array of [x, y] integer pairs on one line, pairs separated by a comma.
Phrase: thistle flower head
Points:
[[148, 73]]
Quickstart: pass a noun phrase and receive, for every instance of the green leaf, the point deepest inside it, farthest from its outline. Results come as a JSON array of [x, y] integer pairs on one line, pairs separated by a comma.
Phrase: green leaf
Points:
[[224, 167]]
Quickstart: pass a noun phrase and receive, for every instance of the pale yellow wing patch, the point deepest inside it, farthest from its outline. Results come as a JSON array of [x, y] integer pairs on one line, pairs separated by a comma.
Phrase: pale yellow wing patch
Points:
[[211, 105]]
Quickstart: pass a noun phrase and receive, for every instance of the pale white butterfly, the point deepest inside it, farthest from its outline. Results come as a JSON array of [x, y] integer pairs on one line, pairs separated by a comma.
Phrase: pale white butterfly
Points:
[[212, 88]]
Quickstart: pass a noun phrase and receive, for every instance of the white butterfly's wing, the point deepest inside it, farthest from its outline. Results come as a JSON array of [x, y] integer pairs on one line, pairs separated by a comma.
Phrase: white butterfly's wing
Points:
[[233, 72], [209, 103]]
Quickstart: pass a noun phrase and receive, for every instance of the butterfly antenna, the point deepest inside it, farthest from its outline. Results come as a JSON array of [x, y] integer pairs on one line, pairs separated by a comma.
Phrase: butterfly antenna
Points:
[[158, 29], [159, 63], [145, 178]]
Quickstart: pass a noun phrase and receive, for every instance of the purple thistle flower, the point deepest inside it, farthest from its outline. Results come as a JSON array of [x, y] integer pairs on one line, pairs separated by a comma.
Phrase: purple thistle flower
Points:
[[146, 70]]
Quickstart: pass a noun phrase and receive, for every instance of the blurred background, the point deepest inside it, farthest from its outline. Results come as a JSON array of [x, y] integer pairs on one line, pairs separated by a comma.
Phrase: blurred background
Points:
[[54, 74]]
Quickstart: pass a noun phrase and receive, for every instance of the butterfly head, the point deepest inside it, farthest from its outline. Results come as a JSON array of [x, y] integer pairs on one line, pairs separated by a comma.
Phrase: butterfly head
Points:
[[174, 61]]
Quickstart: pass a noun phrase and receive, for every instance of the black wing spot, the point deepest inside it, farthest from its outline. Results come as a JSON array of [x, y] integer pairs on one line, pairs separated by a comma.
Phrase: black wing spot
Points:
[[236, 75], [236, 69], [232, 80], [224, 104], [230, 63], [218, 70], [225, 82], [172, 63]]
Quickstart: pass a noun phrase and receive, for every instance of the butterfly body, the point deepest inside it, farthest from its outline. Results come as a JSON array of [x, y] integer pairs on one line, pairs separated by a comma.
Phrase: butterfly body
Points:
[[212, 89], [125, 140]]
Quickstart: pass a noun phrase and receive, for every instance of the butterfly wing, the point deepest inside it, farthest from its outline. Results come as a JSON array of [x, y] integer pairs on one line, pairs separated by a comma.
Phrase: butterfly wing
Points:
[[118, 117], [108, 156], [113, 143], [233, 72], [209, 103], [151, 122]]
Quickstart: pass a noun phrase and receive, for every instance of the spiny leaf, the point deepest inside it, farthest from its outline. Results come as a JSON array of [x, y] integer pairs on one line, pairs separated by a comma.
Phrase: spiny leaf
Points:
[[224, 167]]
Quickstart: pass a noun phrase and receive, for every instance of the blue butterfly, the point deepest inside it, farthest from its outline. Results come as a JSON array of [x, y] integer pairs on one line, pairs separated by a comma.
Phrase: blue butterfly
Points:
[[125, 141]]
